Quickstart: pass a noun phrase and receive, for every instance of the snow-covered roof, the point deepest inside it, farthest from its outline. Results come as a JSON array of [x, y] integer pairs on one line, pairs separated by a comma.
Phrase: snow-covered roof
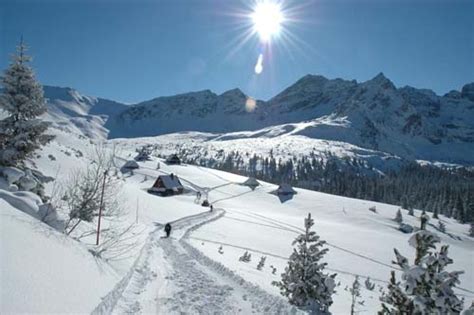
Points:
[[251, 182], [170, 181], [285, 189], [131, 164]]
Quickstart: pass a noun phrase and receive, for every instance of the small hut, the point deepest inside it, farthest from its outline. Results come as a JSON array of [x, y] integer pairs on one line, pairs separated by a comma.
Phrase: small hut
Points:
[[130, 165], [173, 160], [251, 182], [143, 156], [166, 185], [285, 189]]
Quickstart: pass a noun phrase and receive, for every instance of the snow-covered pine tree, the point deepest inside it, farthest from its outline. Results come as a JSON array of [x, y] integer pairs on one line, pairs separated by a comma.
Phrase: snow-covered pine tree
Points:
[[471, 230], [426, 288], [398, 217], [355, 294], [21, 132], [411, 211], [304, 281]]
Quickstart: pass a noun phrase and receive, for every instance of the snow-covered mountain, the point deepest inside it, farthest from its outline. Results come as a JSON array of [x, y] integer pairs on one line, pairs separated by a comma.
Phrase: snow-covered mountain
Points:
[[407, 122], [67, 108]]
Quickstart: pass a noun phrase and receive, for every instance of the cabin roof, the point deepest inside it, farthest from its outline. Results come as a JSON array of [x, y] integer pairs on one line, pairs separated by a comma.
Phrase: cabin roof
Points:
[[170, 182]]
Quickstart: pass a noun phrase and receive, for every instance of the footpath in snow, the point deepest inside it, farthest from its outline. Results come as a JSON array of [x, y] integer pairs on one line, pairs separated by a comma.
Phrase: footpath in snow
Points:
[[172, 277]]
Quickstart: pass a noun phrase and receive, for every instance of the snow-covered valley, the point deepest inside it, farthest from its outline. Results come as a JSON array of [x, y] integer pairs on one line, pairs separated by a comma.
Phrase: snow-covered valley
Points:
[[197, 270]]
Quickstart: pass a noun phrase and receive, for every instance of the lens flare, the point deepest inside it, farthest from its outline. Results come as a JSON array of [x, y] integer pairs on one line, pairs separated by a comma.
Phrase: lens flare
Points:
[[259, 64], [250, 105]]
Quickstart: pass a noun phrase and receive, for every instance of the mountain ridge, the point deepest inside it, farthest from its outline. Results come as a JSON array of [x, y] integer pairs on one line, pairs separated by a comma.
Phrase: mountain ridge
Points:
[[409, 122]]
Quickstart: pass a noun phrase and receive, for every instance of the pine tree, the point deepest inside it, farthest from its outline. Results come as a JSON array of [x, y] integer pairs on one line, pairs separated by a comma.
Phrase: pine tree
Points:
[[426, 288], [304, 281], [471, 230], [398, 217], [21, 132]]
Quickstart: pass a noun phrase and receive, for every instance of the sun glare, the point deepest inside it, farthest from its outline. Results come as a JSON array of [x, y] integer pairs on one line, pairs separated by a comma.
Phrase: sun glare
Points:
[[267, 18]]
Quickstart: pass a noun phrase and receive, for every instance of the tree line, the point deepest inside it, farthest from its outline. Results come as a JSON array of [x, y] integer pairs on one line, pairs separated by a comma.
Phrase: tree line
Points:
[[447, 191]]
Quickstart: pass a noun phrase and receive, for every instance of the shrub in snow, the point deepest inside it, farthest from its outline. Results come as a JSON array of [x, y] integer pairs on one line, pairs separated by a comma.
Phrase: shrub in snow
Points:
[[398, 217], [369, 285], [81, 194], [304, 281], [471, 230], [261, 263], [220, 250], [274, 270], [441, 226], [355, 294], [246, 257], [21, 132], [426, 287], [411, 211], [373, 209]]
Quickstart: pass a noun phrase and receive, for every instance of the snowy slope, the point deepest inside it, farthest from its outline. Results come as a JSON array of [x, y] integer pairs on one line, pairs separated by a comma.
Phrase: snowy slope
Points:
[[43, 271], [361, 242], [185, 272]]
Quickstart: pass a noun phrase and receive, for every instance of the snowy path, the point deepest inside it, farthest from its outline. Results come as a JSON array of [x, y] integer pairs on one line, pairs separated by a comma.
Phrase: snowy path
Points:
[[172, 277]]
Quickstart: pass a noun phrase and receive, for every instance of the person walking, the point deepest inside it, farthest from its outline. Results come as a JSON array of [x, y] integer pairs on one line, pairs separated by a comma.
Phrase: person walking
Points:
[[212, 208], [168, 229]]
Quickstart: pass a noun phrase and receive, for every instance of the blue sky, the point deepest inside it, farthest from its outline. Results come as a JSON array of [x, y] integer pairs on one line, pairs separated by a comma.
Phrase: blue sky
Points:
[[135, 50]]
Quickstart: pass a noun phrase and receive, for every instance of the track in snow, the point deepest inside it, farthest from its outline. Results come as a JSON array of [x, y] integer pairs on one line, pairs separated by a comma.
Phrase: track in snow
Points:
[[171, 277]]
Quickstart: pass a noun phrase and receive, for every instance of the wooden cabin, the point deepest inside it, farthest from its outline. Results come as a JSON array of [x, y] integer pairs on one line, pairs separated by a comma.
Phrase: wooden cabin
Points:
[[173, 160], [167, 185]]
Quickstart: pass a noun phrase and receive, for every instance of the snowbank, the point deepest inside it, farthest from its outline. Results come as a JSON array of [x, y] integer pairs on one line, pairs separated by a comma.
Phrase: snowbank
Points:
[[43, 271]]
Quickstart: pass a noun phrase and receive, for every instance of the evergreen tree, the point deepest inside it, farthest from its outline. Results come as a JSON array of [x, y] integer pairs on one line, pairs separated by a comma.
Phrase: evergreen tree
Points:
[[426, 288], [21, 132], [398, 217], [471, 230], [304, 281]]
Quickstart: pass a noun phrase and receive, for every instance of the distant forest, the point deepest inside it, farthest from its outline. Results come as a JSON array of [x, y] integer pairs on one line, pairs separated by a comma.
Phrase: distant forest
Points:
[[438, 190]]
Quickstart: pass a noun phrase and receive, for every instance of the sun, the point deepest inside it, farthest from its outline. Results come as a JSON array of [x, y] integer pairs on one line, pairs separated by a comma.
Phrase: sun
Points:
[[267, 18]]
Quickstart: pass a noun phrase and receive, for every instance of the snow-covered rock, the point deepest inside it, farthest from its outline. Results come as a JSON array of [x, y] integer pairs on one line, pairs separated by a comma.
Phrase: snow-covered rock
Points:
[[12, 174], [27, 182], [23, 200]]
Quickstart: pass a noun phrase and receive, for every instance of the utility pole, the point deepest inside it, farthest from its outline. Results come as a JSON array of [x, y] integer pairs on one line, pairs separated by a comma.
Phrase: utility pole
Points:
[[100, 208]]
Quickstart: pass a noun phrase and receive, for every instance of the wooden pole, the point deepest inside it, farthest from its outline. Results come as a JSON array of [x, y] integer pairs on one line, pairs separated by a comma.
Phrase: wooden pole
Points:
[[100, 208]]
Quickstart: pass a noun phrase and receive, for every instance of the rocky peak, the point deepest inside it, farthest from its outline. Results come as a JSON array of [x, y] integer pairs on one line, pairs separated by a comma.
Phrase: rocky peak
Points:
[[382, 81]]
